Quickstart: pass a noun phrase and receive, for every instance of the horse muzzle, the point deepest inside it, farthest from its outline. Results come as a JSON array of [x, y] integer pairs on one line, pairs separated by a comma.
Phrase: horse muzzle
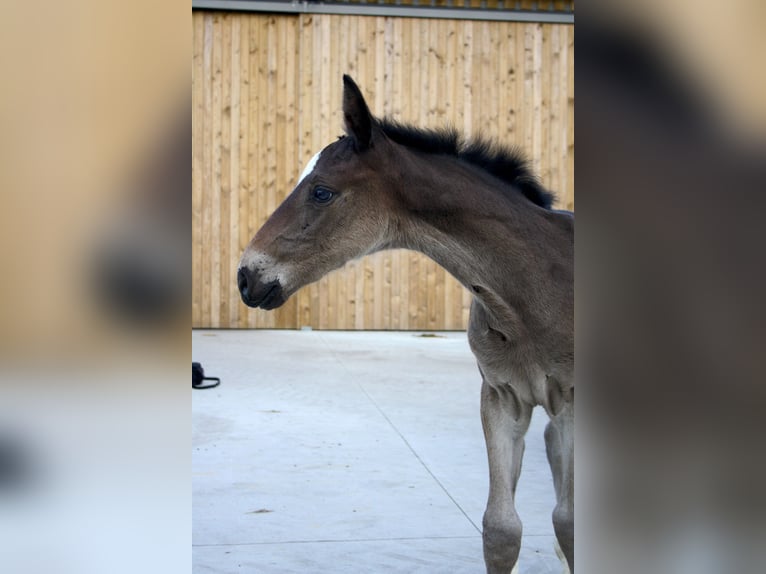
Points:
[[258, 293]]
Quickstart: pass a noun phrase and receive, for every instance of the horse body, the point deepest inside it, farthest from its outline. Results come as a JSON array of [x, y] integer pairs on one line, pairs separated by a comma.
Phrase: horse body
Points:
[[383, 187], [517, 260]]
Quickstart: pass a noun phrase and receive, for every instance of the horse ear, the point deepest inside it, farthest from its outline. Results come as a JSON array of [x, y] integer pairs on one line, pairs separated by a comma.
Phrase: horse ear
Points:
[[356, 114]]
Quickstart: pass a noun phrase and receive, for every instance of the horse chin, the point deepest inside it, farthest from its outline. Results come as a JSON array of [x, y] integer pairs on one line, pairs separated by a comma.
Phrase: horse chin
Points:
[[274, 301]]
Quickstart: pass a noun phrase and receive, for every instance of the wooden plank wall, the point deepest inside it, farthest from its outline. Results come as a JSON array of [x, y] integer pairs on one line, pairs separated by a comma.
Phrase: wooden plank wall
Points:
[[266, 97]]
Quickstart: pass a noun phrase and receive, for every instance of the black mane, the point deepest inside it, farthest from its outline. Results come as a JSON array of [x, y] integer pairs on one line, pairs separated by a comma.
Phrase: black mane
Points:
[[504, 163]]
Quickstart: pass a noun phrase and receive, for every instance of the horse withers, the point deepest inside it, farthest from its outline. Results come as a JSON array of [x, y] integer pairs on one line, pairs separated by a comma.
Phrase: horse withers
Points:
[[476, 209]]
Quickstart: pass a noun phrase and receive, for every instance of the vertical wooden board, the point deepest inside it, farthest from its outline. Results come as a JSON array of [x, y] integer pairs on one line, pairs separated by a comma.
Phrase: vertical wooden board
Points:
[[441, 277], [414, 300], [468, 77], [544, 98], [215, 204], [538, 153], [484, 80], [310, 114], [321, 121], [256, 144], [389, 258], [352, 54], [564, 122], [458, 78], [289, 83], [268, 110], [313, 137], [342, 301], [495, 110], [222, 275], [411, 79], [489, 108], [358, 47], [404, 74], [378, 85], [516, 74], [282, 186], [553, 74], [530, 92], [430, 80], [328, 283], [198, 119], [233, 228], [340, 65], [277, 50], [241, 233], [522, 104], [364, 295], [437, 49], [448, 35], [436, 295], [427, 116], [457, 311], [207, 172], [535, 150], [286, 315], [454, 63], [386, 279], [429, 93], [474, 79], [271, 109], [501, 72], [443, 37], [433, 301], [268, 171], [570, 118], [305, 129], [253, 196], [466, 309], [385, 70], [254, 181], [333, 76], [560, 109], [400, 275], [374, 84], [418, 115], [353, 268]]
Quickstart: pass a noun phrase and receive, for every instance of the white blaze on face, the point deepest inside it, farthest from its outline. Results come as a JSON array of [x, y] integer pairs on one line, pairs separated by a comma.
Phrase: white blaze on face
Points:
[[309, 168]]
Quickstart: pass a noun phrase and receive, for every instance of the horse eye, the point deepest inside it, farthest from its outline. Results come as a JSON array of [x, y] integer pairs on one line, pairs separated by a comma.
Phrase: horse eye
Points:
[[322, 194]]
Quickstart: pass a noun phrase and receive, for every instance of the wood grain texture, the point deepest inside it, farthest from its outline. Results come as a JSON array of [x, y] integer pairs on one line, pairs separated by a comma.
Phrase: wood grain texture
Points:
[[266, 93]]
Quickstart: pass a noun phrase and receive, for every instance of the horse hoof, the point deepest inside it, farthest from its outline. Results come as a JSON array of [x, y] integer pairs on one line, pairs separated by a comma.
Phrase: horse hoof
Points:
[[561, 556]]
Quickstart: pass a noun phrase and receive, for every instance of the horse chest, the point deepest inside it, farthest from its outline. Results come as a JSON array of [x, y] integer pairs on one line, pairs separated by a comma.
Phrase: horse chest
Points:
[[512, 364]]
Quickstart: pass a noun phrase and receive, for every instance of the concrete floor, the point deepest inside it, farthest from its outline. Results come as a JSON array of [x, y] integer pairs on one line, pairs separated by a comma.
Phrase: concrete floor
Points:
[[340, 452]]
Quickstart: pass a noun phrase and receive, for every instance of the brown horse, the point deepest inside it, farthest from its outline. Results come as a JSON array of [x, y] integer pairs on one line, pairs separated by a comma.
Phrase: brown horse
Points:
[[476, 209]]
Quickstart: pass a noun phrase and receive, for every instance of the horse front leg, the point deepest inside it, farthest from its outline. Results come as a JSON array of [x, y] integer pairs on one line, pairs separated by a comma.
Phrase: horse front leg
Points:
[[559, 445], [505, 420]]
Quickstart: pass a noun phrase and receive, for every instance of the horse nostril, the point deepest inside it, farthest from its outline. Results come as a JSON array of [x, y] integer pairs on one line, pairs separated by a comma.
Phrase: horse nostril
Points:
[[242, 281]]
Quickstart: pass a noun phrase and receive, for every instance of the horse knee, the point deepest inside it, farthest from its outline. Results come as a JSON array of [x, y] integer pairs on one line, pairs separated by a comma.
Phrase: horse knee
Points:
[[502, 542]]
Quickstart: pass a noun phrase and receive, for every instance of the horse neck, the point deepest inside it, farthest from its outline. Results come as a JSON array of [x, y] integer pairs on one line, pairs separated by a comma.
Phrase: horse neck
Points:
[[492, 242]]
